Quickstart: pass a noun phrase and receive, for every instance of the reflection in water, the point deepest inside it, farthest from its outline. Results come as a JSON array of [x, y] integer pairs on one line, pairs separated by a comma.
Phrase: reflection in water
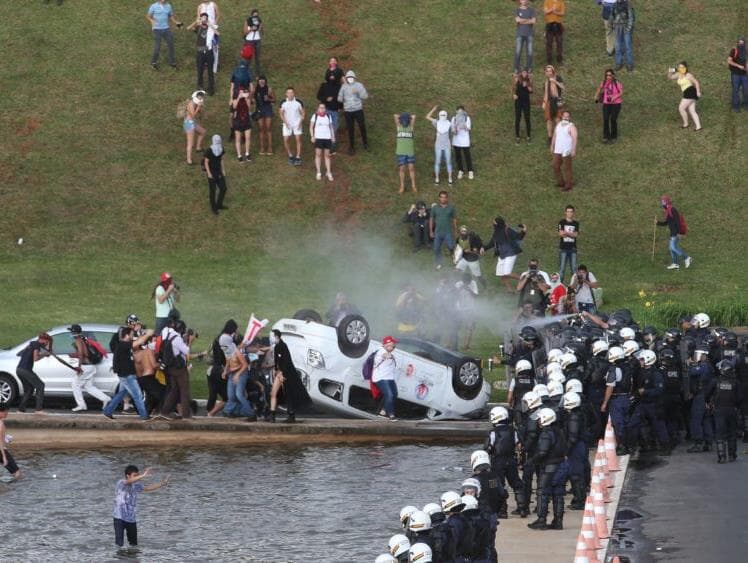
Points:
[[270, 504]]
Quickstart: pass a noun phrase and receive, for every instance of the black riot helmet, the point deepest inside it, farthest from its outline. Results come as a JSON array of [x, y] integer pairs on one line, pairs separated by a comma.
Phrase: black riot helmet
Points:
[[649, 334], [668, 358], [730, 341], [673, 336], [529, 335], [726, 368]]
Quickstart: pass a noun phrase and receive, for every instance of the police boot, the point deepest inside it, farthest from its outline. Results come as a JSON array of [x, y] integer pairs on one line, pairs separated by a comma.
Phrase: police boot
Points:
[[540, 523], [270, 417], [502, 513], [707, 446], [732, 449], [721, 451], [290, 419], [697, 447], [558, 513], [579, 494], [522, 510]]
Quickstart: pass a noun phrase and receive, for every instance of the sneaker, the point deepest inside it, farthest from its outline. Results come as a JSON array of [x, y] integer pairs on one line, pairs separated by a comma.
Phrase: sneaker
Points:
[[240, 158], [438, 267], [436, 181], [129, 410], [529, 140], [291, 160], [517, 140], [449, 181], [297, 161], [329, 177], [252, 418], [79, 409], [154, 66], [109, 416], [673, 266], [471, 175], [319, 176], [460, 174], [688, 261], [144, 418]]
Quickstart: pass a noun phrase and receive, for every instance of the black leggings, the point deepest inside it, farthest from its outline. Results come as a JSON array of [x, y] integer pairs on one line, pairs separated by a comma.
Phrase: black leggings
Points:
[[120, 527], [216, 388], [459, 152], [216, 201], [358, 117], [519, 109], [31, 383], [610, 120], [154, 392]]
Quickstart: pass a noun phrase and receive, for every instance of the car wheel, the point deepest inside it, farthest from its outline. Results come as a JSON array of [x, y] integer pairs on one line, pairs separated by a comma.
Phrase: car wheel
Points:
[[8, 389], [353, 336], [308, 315], [467, 380]]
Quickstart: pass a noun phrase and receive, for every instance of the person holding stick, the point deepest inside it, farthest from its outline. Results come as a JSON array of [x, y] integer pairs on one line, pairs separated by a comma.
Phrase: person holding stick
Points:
[[35, 351], [126, 493], [674, 221]]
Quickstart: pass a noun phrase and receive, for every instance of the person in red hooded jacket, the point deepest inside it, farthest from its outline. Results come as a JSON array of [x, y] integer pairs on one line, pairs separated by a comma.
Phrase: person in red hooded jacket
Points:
[[673, 221]]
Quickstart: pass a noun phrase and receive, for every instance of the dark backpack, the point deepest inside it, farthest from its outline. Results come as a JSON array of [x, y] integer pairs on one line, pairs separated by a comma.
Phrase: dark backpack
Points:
[[368, 368], [166, 357], [96, 351], [218, 358]]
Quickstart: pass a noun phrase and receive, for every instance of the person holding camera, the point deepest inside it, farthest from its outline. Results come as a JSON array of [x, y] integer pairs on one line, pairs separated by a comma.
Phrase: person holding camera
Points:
[[165, 295], [533, 287], [568, 232], [418, 217], [609, 94], [159, 15], [253, 31], [204, 56], [583, 283]]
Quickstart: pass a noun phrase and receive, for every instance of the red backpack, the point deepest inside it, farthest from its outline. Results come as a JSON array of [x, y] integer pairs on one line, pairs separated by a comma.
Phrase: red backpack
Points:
[[682, 227]]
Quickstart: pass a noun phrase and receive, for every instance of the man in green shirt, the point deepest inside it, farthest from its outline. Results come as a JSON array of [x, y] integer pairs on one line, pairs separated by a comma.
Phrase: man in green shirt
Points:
[[442, 227], [405, 148]]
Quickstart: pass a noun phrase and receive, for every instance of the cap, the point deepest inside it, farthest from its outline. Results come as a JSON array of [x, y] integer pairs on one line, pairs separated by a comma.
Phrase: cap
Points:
[[389, 340], [75, 329], [132, 319], [350, 74], [166, 276]]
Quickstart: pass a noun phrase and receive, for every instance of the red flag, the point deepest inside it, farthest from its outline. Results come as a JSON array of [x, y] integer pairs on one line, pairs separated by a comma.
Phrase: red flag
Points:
[[253, 328]]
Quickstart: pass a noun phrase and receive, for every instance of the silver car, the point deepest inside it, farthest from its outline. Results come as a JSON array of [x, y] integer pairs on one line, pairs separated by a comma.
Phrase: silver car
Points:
[[57, 377]]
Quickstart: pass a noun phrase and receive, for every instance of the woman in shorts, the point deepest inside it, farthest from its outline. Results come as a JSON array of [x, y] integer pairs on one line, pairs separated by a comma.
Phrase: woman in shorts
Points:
[[191, 124], [553, 91], [322, 132], [241, 123], [691, 89], [405, 148], [264, 98]]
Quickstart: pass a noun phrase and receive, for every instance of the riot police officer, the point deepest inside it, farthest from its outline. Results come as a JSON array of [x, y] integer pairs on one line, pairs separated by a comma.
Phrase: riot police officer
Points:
[[672, 398], [620, 381], [438, 538], [700, 374], [522, 382], [399, 545], [483, 547], [550, 456], [650, 396], [501, 445], [576, 447], [492, 499], [723, 394], [528, 432], [457, 525]]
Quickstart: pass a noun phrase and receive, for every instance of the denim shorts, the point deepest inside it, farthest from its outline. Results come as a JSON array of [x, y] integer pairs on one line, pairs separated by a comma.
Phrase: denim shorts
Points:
[[188, 125], [403, 159]]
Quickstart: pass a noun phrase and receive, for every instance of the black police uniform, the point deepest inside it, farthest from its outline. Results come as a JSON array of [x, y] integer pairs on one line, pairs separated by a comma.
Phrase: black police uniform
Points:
[[723, 393], [492, 501], [501, 446], [529, 431], [550, 454], [672, 398], [576, 453], [483, 548]]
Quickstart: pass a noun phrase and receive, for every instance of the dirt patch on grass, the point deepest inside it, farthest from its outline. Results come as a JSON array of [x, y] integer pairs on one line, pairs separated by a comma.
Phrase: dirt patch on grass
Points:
[[337, 28]]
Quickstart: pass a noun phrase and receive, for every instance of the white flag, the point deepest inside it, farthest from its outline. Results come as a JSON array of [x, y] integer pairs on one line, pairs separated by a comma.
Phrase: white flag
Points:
[[253, 328]]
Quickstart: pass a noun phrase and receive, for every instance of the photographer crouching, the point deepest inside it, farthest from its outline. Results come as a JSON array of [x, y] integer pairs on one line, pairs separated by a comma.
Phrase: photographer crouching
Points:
[[583, 283]]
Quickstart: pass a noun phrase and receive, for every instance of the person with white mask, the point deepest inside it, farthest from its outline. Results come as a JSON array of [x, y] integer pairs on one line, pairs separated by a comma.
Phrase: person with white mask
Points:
[[352, 95], [442, 144], [216, 172]]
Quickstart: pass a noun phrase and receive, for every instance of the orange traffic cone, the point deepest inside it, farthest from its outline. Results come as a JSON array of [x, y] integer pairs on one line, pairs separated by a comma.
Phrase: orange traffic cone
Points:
[[600, 468], [601, 454], [610, 448], [595, 485], [588, 526], [600, 517], [582, 554]]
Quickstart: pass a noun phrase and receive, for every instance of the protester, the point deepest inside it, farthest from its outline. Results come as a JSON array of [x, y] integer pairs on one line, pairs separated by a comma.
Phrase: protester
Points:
[[442, 226], [216, 172], [126, 493], [177, 372], [553, 90], [418, 217], [165, 295], [524, 17], [410, 311], [322, 133], [470, 245], [241, 123], [563, 150], [7, 459], [33, 352], [241, 77], [557, 297], [521, 90], [691, 89], [204, 57], [405, 149], [253, 32], [461, 127], [442, 145], [222, 348], [340, 309], [159, 15], [211, 8], [609, 93], [352, 95], [568, 232], [505, 243], [328, 94], [554, 11], [384, 376], [287, 386], [623, 26], [191, 125], [737, 62], [236, 374], [673, 221], [147, 369], [292, 114], [123, 364], [264, 100], [83, 378], [583, 283]]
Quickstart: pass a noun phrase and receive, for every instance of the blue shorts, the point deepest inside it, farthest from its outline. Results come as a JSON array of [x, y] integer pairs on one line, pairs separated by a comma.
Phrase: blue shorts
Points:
[[188, 125], [403, 159]]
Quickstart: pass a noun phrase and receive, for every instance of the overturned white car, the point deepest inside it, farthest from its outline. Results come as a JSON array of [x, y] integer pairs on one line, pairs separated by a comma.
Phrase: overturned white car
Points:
[[433, 382]]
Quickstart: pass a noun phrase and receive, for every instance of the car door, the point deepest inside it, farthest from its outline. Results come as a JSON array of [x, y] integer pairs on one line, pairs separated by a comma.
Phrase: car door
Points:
[[105, 378], [418, 376], [57, 377]]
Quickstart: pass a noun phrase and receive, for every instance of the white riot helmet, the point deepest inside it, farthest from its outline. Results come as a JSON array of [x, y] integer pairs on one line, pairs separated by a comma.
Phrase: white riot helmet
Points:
[[568, 359], [385, 558], [554, 355], [630, 347], [399, 544], [471, 503], [701, 320], [451, 502], [648, 358], [531, 400], [498, 415], [599, 346], [541, 390], [574, 385], [432, 508], [553, 367], [420, 553], [571, 400], [522, 366], [405, 514], [471, 483], [555, 389], [546, 417], [478, 458], [556, 376], [627, 333], [615, 354], [419, 521]]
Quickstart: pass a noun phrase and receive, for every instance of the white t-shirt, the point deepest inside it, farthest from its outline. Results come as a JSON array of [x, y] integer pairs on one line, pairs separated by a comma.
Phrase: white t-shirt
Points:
[[563, 142], [384, 368], [461, 137], [584, 293], [322, 126], [162, 309], [292, 110]]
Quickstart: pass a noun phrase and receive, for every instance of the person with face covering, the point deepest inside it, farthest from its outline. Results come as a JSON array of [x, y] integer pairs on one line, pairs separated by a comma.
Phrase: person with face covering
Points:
[[328, 94], [205, 31], [442, 144], [213, 163], [691, 89], [672, 220], [352, 95], [287, 385], [505, 243], [191, 124], [461, 127], [737, 62]]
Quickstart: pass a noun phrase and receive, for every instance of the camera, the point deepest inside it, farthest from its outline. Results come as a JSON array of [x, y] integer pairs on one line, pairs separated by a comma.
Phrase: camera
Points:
[[175, 286], [191, 332], [581, 278]]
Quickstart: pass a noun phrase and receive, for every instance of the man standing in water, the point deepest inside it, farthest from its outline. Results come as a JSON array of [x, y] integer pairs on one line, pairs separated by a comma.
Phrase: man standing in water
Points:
[[8, 462], [125, 502]]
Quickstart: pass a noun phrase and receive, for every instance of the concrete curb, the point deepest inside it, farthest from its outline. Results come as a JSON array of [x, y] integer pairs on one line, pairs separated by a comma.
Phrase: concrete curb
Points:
[[611, 509]]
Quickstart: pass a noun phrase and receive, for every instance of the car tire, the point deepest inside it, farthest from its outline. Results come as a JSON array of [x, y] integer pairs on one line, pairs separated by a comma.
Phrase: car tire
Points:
[[8, 389], [353, 336], [467, 380], [308, 315]]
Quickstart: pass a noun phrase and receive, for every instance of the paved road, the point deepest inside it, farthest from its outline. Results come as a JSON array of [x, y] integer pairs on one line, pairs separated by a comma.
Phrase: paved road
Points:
[[685, 507]]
